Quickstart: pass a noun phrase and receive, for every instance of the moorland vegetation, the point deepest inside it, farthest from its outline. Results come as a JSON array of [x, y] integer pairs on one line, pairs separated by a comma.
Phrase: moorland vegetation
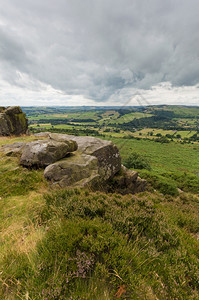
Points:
[[85, 244]]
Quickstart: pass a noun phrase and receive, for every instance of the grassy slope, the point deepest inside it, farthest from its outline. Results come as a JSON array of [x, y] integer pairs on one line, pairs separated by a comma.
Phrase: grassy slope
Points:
[[129, 117], [184, 111], [79, 244], [171, 156]]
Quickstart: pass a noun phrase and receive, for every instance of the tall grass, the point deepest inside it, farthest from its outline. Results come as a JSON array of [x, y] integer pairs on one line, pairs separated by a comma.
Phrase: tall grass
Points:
[[79, 244], [93, 245]]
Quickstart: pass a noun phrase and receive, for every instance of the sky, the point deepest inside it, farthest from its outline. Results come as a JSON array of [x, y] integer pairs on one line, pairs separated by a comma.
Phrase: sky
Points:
[[99, 52]]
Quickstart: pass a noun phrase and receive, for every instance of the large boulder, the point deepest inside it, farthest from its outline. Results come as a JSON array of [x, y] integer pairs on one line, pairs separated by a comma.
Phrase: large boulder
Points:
[[42, 153], [107, 154], [12, 121], [75, 170], [95, 162]]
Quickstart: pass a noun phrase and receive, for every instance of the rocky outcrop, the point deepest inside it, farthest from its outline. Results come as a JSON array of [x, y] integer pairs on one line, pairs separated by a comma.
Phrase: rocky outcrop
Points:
[[12, 121], [95, 161], [77, 161], [107, 154], [42, 153]]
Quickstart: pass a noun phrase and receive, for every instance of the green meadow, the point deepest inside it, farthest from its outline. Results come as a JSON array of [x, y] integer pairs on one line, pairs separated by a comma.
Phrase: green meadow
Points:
[[163, 157], [86, 244]]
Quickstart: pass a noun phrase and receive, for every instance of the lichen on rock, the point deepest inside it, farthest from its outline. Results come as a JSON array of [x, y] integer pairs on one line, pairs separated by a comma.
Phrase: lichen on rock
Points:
[[42, 153], [12, 121], [78, 161]]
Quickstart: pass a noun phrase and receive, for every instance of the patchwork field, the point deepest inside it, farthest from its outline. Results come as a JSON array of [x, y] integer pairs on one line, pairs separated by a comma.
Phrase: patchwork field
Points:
[[176, 123]]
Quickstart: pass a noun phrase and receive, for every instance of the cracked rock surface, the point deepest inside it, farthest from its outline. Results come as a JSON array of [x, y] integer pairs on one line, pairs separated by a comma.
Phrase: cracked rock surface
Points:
[[42, 153]]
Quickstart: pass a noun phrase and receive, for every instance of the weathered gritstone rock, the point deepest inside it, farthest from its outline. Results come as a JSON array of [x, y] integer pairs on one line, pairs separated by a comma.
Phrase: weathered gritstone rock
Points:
[[12, 121], [13, 149], [140, 186], [96, 162], [128, 182], [109, 160], [76, 170], [42, 153]]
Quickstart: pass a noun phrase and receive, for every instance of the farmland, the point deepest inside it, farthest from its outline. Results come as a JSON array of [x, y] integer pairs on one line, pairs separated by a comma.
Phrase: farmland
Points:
[[175, 123]]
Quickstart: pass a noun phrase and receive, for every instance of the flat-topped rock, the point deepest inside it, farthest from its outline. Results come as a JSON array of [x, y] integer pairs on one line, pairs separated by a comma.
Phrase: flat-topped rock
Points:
[[42, 153], [86, 144]]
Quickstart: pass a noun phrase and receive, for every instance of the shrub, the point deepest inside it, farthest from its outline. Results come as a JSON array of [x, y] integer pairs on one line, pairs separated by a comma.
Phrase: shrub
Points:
[[137, 161], [185, 181], [164, 185], [162, 140], [21, 180]]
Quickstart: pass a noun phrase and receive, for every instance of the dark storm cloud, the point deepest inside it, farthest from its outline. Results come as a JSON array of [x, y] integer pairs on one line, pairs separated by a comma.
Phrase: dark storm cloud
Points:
[[96, 48]]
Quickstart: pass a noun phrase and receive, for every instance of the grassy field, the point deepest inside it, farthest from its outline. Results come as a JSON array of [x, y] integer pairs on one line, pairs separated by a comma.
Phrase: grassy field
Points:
[[163, 157], [47, 126], [146, 133], [184, 111], [80, 244], [11, 140], [69, 115], [129, 117], [175, 122]]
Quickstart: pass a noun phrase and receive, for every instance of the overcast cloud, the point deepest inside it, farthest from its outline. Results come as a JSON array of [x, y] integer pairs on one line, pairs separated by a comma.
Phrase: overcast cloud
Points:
[[103, 52]]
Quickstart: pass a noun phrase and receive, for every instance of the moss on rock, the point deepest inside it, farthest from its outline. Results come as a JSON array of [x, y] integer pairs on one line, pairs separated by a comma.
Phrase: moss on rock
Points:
[[12, 121]]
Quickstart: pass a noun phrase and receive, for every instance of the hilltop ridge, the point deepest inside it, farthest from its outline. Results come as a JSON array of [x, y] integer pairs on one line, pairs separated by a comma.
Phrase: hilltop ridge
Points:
[[77, 243]]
